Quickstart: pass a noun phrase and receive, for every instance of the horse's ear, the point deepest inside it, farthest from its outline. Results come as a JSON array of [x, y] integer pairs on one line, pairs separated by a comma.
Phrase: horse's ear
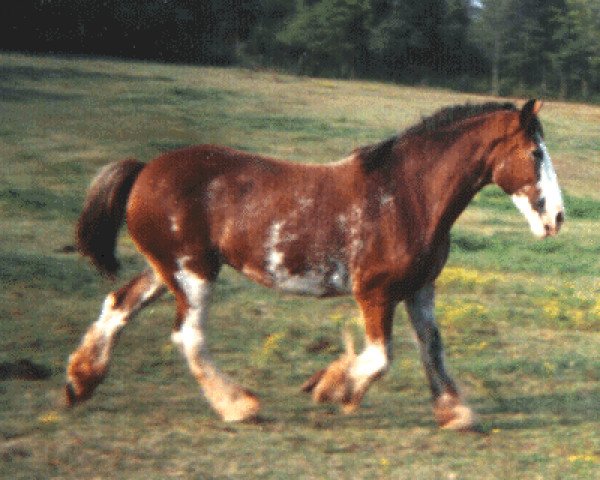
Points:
[[530, 109], [528, 114]]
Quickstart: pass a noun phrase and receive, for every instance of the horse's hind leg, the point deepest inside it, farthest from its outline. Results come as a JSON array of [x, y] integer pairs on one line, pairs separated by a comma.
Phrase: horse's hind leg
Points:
[[89, 363], [450, 411], [193, 292]]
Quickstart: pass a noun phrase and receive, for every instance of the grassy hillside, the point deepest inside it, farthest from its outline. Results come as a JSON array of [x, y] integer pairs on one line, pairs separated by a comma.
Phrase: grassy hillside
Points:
[[520, 317]]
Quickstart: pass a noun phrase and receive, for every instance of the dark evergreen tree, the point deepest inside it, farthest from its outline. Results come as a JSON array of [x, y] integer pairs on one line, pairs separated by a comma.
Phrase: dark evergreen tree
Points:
[[539, 47], [329, 37]]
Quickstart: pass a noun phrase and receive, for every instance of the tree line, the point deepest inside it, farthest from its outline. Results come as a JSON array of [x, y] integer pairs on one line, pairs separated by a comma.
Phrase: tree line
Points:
[[541, 47]]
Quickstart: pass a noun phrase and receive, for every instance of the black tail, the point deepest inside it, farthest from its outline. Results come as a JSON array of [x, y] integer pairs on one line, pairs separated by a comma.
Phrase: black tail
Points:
[[103, 213]]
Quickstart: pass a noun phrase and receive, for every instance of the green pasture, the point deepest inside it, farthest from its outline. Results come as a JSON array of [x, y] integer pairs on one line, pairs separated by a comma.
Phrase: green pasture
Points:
[[520, 317]]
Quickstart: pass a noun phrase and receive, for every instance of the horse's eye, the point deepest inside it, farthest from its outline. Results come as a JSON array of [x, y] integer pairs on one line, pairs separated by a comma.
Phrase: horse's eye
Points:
[[538, 154], [540, 204]]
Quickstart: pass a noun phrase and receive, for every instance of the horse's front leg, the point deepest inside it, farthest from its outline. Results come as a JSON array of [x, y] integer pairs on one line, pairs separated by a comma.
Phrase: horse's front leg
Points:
[[450, 411], [347, 379]]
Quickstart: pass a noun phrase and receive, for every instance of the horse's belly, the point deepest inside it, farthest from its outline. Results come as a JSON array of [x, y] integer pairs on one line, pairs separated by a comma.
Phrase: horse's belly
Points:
[[325, 280], [321, 281]]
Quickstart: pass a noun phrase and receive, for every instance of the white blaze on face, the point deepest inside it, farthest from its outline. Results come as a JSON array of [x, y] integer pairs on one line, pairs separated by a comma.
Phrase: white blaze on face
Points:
[[549, 185], [534, 218], [545, 220]]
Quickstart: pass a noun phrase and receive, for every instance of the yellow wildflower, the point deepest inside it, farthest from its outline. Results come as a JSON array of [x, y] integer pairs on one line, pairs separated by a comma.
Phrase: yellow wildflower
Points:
[[49, 417]]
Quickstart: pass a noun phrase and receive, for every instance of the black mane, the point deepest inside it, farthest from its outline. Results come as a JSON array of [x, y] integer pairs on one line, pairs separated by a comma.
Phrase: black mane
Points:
[[449, 115], [380, 154]]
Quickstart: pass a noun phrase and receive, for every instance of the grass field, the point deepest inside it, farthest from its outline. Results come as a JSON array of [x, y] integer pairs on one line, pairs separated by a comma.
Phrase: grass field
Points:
[[520, 317]]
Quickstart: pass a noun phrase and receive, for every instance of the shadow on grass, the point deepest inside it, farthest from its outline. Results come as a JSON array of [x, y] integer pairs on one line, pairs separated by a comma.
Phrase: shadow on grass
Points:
[[24, 369], [527, 412], [20, 73], [58, 273], [33, 95], [38, 201], [539, 411]]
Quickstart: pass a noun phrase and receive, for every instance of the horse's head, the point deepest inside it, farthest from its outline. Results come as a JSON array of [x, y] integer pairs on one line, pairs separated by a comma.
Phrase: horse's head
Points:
[[524, 171]]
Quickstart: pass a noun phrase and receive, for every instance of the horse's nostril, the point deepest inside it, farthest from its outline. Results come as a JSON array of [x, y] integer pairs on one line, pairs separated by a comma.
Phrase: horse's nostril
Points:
[[560, 218]]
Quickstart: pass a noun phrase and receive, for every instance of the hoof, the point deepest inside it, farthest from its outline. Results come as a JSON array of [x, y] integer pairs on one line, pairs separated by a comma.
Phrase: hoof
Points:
[[333, 384], [241, 409], [336, 383], [72, 397], [451, 414], [76, 392], [312, 382]]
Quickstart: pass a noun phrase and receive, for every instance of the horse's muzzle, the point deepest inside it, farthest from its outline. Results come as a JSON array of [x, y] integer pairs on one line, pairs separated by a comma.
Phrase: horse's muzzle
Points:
[[552, 228]]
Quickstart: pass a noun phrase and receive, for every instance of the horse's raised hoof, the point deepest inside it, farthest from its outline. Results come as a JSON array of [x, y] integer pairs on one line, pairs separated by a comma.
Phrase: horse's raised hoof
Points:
[[332, 384], [72, 397], [77, 391], [312, 382], [244, 407], [452, 414]]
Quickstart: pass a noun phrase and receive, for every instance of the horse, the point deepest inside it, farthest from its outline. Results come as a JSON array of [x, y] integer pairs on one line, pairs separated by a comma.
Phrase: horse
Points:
[[375, 224]]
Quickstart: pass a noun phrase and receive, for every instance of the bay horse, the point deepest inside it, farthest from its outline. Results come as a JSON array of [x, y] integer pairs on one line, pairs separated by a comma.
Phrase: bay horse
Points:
[[375, 224]]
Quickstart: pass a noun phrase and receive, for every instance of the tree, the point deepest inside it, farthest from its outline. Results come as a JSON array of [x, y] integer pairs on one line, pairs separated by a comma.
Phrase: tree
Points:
[[419, 39], [518, 37], [491, 30], [328, 37], [262, 45], [576, 62]]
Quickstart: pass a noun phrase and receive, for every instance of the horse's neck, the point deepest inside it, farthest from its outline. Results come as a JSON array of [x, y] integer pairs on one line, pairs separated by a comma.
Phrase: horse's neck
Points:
[[455, 172]]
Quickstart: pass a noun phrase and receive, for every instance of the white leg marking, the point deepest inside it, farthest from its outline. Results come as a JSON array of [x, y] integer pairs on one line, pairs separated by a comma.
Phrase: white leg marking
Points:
[[198, 292], [111, 319], [97, 342], [374, 360], [103, 332], [228, 399]]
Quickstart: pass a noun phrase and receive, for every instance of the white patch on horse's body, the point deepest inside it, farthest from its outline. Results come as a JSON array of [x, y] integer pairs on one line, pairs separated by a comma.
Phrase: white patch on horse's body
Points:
[[309, 283], [318, 281], [386, 200], [327, 278], [215, 188], [339, 278], [274, 257], [356, 243], [305, 203], [174, 224]]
